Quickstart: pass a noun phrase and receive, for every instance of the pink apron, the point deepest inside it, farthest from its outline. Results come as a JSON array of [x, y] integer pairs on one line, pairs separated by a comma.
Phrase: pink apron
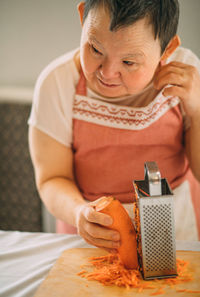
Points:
[[111, 144]]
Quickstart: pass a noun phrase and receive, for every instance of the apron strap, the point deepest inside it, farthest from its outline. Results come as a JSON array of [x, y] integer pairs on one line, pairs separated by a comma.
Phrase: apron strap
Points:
[[81, 86]]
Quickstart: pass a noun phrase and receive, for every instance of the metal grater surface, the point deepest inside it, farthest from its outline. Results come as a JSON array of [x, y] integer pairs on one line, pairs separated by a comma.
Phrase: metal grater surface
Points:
[[156, 236], [157, 233]]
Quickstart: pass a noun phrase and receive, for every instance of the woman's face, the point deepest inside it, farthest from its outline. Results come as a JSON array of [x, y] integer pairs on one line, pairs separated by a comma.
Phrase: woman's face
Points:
[[117, 63]]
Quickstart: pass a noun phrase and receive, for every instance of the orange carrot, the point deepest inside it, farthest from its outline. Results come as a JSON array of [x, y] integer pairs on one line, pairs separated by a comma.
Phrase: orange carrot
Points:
[[189, 291], [123, 224], [82, 272], [160, 291], [115, 269], [109, 270]]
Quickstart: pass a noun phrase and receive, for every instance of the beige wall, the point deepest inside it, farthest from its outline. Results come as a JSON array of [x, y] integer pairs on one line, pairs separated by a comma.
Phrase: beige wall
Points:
[[33, 32]]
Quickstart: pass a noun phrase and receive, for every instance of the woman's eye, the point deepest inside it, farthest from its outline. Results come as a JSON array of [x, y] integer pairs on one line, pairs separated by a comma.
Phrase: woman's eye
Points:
[[95, 50], [129, 63]]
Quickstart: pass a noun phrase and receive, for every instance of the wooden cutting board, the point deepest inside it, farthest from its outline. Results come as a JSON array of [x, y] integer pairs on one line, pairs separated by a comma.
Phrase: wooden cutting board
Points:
[[63, 281]]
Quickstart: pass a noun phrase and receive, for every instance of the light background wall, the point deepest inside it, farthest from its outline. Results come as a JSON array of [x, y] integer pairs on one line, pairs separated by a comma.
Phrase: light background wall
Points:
[[33, 32]]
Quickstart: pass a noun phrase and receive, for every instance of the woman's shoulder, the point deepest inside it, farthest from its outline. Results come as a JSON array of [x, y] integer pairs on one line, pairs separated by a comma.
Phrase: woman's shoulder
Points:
[[59, 68]]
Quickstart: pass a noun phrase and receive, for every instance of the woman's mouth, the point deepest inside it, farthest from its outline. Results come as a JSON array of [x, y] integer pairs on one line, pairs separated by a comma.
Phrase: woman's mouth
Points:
[[108, 85]]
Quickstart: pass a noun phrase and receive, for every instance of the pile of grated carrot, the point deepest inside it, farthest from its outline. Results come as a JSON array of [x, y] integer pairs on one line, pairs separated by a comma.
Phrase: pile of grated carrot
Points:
[[109, 270]]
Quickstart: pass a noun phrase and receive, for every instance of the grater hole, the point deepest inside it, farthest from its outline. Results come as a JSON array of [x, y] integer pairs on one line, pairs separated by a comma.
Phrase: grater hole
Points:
[[157, 230]]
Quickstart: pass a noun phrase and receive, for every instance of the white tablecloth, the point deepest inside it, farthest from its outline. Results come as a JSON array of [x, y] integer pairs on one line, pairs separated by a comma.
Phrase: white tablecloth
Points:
[[26, 258]]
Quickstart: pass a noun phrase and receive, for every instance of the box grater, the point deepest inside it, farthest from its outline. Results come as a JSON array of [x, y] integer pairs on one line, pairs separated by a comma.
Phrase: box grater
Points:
[[155, 230]]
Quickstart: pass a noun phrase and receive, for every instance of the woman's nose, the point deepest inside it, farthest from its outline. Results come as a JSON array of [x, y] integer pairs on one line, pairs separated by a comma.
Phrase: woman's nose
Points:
[[109, 70]]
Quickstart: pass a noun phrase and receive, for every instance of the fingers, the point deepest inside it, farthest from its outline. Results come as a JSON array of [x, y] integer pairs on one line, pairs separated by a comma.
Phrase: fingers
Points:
[[181, 80], [96, 231], [113, 251], [100, 242], [97, 217], [92, 225], [174, 91], [174, 73]]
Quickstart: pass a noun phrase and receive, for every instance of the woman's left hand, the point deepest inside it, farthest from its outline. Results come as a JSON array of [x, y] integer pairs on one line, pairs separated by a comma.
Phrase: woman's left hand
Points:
[[184, 81]]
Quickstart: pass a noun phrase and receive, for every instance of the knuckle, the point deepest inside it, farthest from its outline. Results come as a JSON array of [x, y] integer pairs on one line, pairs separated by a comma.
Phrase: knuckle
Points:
[[95, 241], [90, 230], [80, 231], [78, 226], [108, 235], [171, 75], [192, 71], [89, 214], [87, 237], [88, 241]]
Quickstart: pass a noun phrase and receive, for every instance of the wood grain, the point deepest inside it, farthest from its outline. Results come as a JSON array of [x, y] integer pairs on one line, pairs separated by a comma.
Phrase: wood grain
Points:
[[63, 281]]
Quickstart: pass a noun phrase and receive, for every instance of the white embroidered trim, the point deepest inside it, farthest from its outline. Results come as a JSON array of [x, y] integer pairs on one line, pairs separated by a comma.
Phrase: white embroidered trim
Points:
[[122, 117]]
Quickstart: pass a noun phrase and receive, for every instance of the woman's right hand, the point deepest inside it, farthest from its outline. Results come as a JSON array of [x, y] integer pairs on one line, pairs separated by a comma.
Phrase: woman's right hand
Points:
[[92, 226]]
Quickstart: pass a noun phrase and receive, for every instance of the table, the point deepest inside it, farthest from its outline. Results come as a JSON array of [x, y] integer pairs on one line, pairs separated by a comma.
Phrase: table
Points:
[[26, 258]]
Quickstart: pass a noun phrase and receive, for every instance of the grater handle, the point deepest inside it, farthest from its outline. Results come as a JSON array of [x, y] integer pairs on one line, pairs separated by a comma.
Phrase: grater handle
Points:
[[153, 178]]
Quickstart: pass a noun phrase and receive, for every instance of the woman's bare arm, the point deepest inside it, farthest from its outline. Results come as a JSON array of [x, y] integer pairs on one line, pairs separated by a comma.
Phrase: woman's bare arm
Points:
[[53, 165]]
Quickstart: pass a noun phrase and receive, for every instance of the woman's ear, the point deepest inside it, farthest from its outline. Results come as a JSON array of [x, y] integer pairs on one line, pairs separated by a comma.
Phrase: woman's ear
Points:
[[80, 8], [171, 47]]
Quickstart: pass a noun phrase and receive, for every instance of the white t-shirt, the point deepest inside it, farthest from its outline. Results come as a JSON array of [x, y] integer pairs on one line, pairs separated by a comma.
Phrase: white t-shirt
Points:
[[52, 108]]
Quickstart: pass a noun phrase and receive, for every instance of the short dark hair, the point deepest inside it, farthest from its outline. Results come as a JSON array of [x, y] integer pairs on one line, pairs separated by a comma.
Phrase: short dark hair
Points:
[[163, 15]]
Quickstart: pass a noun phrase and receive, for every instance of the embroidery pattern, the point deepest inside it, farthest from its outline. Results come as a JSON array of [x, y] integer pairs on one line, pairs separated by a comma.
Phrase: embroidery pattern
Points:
[[123, 117]]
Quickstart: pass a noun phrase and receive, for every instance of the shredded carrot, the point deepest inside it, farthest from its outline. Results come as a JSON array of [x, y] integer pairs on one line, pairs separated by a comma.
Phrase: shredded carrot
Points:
[[160, 291], [181, 290], [82, 272], [193, 291], [109, 270], [187, 291], [143, 192]]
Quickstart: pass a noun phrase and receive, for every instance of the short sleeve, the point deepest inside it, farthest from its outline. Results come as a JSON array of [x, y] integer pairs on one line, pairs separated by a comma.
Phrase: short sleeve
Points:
[[53, 102]]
